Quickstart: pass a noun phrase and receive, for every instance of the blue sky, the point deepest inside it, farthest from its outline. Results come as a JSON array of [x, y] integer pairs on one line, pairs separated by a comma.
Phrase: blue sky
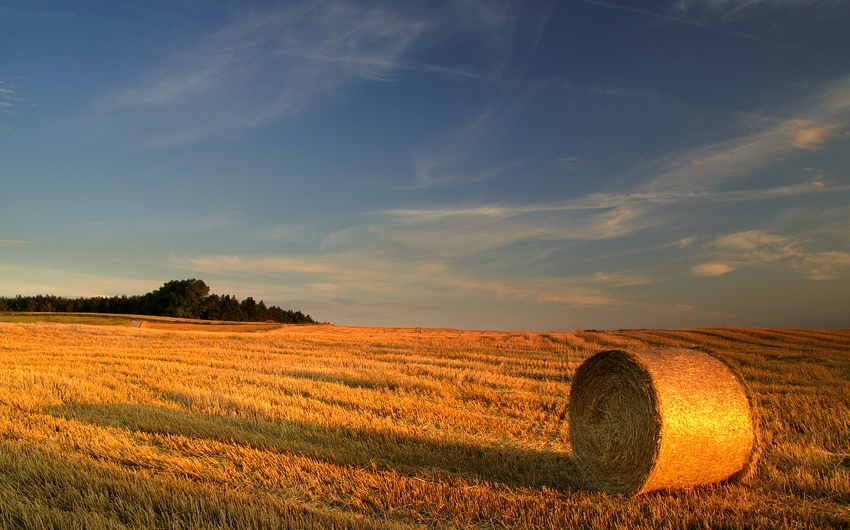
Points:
[[470, 164]]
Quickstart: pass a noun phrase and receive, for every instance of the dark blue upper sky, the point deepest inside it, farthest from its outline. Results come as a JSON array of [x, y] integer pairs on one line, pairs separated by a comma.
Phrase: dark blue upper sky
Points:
[[477, 164]]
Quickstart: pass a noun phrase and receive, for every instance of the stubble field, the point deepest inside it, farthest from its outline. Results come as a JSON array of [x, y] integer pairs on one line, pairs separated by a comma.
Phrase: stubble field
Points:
[[104, 426]]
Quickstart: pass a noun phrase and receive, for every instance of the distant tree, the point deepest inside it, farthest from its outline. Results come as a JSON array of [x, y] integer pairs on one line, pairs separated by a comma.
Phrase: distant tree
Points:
[[261, 313], [30, 304], [177, 298], [249, 309], [230, 309], [180, 298], [212, 308]]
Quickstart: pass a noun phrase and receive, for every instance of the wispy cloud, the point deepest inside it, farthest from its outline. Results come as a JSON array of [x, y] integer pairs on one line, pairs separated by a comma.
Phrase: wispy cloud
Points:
[[7, 98], [825, 265], [735, 9], [270, 65], [711, 15], [490, 24], [823, 118], [24, 14], [572, 162], [470, 229], [263, 67], [10, 100], [812, 124], [453, 157], [758, 248], [13, 242], [477, 149]]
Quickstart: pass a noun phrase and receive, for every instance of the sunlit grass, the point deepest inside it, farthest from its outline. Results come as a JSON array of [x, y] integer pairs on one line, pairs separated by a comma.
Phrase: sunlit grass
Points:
[[324, 426]]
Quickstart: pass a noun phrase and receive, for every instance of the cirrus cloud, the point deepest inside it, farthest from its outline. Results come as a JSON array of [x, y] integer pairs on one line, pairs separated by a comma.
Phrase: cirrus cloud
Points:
[[273, 64]]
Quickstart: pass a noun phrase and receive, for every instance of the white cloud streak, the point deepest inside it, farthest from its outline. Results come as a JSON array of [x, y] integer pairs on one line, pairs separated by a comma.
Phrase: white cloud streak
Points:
[[263, 67], [270, 65], [758, 248], [822, 119], [454, 156], [468, 230], [9, 99], [826, 118]]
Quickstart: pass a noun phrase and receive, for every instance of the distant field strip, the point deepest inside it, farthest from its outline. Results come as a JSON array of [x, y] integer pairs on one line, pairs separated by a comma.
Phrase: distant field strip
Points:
[[339, 427]]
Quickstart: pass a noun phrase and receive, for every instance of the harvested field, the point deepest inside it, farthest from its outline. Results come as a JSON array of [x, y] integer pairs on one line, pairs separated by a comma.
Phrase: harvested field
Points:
[[340, 427]]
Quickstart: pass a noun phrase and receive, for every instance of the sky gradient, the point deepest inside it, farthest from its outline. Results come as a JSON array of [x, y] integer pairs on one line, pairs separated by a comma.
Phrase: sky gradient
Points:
[[467, 164]]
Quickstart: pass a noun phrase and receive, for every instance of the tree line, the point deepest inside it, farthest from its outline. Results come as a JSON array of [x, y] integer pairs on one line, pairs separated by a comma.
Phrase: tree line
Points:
[[177, 298]]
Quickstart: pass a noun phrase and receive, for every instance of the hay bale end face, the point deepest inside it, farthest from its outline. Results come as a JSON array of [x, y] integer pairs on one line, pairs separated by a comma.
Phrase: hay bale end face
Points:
[[659, 419], [139, 324]]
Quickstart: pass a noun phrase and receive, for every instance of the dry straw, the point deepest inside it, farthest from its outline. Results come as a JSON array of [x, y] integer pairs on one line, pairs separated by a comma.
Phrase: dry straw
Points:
[[660, 419], [139, 324]]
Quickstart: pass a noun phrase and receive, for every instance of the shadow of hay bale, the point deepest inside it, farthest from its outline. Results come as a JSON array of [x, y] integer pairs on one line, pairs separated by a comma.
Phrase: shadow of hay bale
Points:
[[363, 448]]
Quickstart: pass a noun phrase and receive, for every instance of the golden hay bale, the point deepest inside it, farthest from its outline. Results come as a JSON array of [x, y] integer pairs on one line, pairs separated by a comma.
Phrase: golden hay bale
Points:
[[659, 419], [139, 324]]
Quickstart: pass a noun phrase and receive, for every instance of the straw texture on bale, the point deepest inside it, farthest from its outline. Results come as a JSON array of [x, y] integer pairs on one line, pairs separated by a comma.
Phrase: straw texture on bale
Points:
[[659, 419], [139, 324]]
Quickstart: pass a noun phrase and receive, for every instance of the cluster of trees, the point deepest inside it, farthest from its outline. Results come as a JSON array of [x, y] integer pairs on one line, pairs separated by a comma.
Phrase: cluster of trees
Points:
[[177, 298]]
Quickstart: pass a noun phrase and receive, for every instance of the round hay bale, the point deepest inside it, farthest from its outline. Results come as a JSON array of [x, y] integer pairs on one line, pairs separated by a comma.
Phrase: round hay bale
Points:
[[139, 324], [659, 419]]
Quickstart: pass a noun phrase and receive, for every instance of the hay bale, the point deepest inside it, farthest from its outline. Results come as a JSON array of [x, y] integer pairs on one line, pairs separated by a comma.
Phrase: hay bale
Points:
[[139, 324], [659, 419]]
